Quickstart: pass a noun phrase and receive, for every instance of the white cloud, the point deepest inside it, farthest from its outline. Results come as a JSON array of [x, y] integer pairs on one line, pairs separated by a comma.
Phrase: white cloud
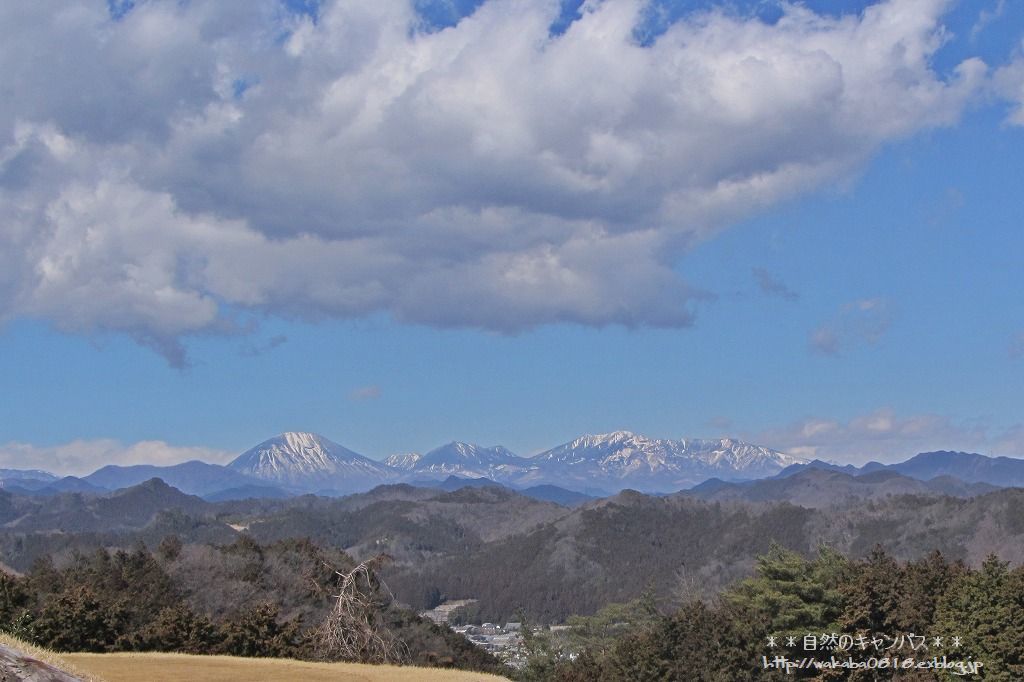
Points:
[[1009, 84], [487, 175], [82, 457], [986, 16], [885, 436]]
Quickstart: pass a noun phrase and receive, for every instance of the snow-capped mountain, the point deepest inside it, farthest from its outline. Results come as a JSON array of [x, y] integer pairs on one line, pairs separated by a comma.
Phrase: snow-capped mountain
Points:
[[729, 454], [27, 475], [610, 462], [405, 461], [624, 459], [309, 461], [472, 461], [597, 464]]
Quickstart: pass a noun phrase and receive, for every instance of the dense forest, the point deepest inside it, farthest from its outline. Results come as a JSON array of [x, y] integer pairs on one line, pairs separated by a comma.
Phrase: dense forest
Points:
[[874, 618], [512, 553], [150, 568], [877, 618], [242, 599], [615, 549]]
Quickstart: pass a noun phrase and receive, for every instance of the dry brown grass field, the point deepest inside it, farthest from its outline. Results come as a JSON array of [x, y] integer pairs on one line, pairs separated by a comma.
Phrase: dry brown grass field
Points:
[[48, 657], [132, 667]]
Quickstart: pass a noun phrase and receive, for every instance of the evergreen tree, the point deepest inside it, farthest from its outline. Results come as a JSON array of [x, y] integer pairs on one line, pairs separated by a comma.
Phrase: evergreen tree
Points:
[[78, 620], [599, 633], [13, 600], [985, 609], [792, 595], [923, 582], [257, 632], [179, 629], [871, 595]]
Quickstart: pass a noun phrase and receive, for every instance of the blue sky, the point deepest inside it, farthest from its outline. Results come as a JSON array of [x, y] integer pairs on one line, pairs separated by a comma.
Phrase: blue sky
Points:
[[834, 271]]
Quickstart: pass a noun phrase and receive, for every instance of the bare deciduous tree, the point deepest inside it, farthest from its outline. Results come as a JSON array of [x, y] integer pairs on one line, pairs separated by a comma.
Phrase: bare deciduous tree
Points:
[[690, 586], [355, 629]]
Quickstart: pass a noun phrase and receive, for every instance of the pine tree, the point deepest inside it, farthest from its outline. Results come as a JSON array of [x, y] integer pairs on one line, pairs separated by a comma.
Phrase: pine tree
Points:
[[790, 594], [985, 609], [872, 595]]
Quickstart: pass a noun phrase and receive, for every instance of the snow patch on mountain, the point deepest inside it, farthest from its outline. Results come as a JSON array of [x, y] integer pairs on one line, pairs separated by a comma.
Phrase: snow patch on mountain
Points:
[[626, 458], [473, 461], [27, 475], [306, 462], [403, 460], [306, 459]]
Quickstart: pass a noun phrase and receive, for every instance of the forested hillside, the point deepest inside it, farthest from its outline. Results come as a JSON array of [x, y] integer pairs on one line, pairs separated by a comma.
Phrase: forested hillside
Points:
[[874, 618], [512, 552], [242, 599], [614, 549]]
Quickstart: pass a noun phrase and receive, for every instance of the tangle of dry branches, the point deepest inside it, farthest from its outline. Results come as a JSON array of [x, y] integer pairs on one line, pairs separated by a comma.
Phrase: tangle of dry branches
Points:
[[355, 629]]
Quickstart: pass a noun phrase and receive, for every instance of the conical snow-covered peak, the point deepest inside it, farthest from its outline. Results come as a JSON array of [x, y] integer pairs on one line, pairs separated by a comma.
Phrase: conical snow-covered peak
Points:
[[301, 458], [309, 446], [301, 438]]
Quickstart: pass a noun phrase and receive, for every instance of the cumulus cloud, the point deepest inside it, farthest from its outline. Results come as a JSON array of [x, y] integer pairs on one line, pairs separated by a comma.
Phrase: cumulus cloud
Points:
[[168, 169], [773, 286], [82, 457], [885, 436], [857, 323]]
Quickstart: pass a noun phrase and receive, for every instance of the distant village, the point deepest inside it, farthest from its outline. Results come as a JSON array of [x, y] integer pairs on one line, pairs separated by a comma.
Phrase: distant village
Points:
[[504, 641]]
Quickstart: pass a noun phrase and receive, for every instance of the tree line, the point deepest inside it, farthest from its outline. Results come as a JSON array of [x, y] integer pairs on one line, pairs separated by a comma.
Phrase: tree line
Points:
[[295, 599], [284, 599], [942, 615]]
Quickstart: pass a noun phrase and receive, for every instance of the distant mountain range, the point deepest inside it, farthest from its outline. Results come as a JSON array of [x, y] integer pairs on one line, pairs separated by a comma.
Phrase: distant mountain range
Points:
[[589, 466], [1004, 472], [603, 464], [623, 459], [817, 488], [195, 477]]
